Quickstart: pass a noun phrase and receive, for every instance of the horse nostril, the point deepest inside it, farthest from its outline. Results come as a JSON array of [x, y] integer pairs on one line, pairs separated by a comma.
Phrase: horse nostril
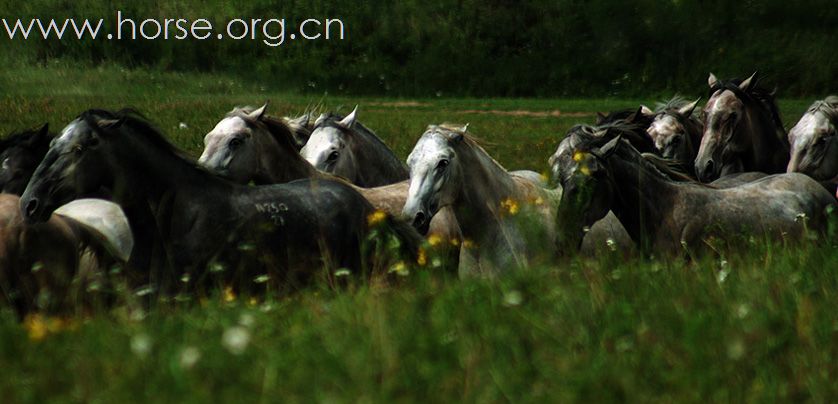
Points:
[[709, 170], [31, 207], [419, 219]]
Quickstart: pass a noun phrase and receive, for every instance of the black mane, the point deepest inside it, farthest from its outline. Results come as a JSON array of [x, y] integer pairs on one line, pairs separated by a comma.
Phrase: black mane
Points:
[[754, 94], [23, 136]]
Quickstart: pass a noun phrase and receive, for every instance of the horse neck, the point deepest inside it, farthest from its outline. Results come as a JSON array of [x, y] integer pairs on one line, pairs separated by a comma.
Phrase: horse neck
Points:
[[641, 198], [694, 131], [280, 163], [145, 175], [485, 185], [370, 153], [769, 151]]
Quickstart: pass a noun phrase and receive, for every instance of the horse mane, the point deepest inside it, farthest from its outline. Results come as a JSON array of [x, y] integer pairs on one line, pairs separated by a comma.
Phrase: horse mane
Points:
[[449, 130], [141, 128], [674, 103], [828, 106], [278, 128], [331, 119], [756, 94], [16, 138], [588, 138]]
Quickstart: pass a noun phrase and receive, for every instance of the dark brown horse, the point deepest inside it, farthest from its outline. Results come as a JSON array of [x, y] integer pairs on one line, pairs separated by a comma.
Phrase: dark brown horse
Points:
[[742, 131]]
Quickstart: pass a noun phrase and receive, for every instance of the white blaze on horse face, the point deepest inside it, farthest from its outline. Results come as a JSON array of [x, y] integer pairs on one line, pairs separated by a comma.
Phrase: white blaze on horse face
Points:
[[217, 153], [323, 148], [427, 178], [721, 116]]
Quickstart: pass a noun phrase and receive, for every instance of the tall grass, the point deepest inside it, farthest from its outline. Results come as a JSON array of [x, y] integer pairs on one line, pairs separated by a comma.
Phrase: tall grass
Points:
[[757, 324]]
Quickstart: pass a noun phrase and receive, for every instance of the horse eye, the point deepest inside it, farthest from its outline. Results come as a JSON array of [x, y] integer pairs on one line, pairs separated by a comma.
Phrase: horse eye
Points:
[[236, 142], [334, 155], [78, 148], [443, 164]]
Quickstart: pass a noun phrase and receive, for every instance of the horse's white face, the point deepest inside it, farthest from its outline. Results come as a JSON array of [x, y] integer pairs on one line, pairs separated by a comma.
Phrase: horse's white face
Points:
[[814, 147], [229, 149], [669, 136], [324, 148], [434, 177]]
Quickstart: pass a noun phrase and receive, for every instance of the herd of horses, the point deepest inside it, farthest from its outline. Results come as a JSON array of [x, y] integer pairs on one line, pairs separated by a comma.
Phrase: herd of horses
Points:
[[274, 202]]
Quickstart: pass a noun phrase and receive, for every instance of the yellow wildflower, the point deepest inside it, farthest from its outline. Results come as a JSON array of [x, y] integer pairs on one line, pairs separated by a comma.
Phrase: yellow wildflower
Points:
[[510, 205], [400, 269], [35, 327], [579, 156], [376, 217], [229, 295], [39, 327], [422, 258], [435, 239]]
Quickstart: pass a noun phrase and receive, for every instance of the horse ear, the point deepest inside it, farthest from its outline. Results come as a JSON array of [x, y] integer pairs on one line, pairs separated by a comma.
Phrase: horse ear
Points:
[[646, 110], [748, 82], [301, 120], [44, 130], [600, 118], [610, 147], [712, 80], [258, 112], [349, 121], [688, 109], [457, 137]]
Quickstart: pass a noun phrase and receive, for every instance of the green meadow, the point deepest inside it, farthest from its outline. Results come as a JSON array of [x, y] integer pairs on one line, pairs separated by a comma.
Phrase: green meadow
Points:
[[754, 325]]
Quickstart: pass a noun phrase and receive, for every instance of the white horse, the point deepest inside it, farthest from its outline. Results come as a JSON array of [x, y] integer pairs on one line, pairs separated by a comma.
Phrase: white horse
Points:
[[505, 218], [814, 142]]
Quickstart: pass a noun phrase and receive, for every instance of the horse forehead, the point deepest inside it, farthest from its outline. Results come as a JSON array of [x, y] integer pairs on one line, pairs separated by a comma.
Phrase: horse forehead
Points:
[[325, 137], [663, 125], [430, 146], [70, 131], [810, 126], [726, 100], [228, 126]]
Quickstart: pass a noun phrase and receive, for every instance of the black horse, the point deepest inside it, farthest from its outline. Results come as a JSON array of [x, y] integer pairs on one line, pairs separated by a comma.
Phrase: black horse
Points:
[[211, 229], [20, 154]]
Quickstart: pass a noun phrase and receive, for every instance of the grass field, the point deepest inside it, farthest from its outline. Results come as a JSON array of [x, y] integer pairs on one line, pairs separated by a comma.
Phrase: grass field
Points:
[[760, 325]]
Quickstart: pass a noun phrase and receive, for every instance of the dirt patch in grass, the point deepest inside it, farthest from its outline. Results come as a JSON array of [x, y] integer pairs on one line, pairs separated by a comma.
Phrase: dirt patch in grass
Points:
[[400, 104], [539, 114]]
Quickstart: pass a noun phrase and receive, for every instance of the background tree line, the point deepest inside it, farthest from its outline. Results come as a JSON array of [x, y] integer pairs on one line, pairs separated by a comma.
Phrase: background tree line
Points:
[[475, 47]]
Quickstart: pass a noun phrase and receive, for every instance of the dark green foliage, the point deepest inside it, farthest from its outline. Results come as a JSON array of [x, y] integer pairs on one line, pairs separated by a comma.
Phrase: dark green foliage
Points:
[[478, 48]]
